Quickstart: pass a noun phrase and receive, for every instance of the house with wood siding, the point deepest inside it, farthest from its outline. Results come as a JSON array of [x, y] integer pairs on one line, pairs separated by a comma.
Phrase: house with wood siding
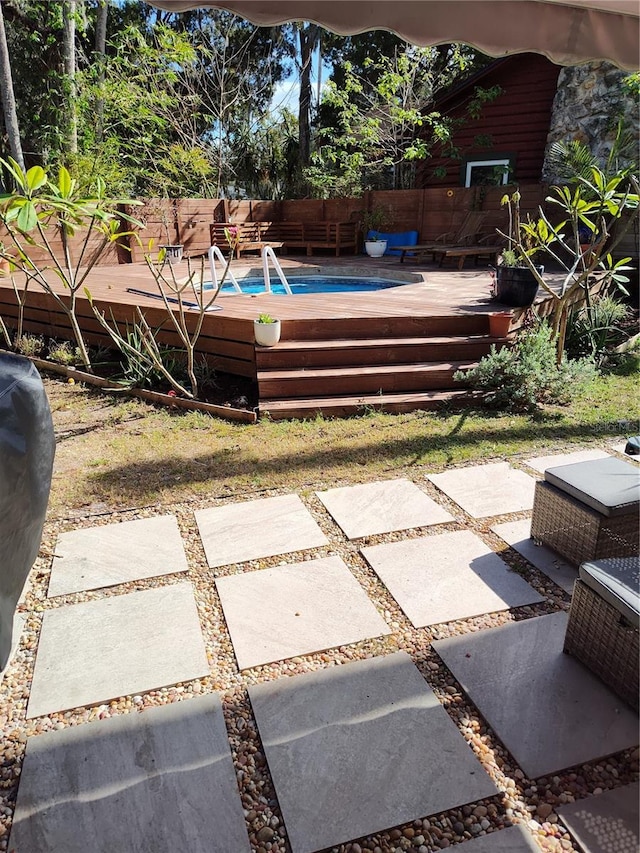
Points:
[[508, 139]]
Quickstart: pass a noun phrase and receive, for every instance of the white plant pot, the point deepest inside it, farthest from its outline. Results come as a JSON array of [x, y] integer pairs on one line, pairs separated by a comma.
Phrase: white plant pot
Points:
[[173, 254], [375, 248], [266, 334]]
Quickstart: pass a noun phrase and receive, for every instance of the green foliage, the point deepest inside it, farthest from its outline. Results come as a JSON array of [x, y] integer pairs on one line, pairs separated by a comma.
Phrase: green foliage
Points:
[[30, 345], [522, 377], [377, 119], [595, 330], [63, 352], [49, 214], [266, 318]]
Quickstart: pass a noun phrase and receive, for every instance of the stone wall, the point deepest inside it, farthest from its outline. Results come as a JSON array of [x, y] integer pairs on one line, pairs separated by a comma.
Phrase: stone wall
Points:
[[587, 105]]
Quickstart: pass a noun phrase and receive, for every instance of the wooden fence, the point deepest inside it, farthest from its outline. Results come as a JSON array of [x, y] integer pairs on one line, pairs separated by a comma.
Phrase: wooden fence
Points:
[[432, 212]]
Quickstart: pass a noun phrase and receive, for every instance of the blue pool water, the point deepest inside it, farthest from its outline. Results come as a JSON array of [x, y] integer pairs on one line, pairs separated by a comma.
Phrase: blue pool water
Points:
[[312, 284]]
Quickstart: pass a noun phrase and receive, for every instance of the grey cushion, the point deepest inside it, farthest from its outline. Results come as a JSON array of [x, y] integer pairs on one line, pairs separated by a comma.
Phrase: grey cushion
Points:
[[617, 580], [610, 486]]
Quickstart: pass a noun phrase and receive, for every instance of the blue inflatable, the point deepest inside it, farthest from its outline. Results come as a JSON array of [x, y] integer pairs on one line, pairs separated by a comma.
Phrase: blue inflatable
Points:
[[403, 238]]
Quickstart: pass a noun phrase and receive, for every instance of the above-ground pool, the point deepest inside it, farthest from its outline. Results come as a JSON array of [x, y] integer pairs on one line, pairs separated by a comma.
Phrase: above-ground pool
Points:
[[312, 284]]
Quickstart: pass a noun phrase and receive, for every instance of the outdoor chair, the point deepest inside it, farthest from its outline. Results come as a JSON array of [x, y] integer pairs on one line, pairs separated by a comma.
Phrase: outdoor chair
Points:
[[602, 631], [466, 235], [588, 510]]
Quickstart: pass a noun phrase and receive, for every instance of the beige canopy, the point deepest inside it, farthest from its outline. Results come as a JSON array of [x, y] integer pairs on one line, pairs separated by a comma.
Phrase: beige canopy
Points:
[[568, 32]]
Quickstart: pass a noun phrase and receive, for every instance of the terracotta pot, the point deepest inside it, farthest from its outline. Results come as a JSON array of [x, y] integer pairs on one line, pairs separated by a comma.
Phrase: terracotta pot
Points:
[[499, 324]]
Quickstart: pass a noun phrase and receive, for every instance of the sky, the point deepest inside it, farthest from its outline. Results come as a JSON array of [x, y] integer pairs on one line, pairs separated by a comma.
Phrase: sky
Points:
[[287, 92]]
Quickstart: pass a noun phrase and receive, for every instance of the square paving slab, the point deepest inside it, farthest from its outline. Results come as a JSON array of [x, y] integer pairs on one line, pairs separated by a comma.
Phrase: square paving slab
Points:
[[254, 529], [607, 822], [449, 576], [484, 490], [103, 556], [100, 650], [152, 782], [518, 535], [292, 610], [541, 463], [361, 747], [547, 708], [382, 507], [513, 839]]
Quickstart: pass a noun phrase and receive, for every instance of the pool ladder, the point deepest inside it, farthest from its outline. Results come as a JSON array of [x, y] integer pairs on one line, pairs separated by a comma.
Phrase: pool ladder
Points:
[[267, 254]]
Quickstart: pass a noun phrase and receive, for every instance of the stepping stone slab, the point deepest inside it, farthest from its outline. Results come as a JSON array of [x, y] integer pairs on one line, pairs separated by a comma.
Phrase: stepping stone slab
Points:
[[606, 822], [484, 490], [151, 782], [450, 576], [252, 530], [548, 709], [358, 748], [103, 556], [517, 534], [541, 463], [382, 508], [100, 650], [293, 610], [513, 839]]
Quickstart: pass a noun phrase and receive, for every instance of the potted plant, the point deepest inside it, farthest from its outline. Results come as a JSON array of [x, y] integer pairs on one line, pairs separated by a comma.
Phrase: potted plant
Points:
[[516, 284], [598, 202], [267, 330], [372, 223]]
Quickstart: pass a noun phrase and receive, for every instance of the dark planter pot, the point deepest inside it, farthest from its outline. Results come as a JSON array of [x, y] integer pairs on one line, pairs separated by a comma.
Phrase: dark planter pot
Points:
[[516, 286]]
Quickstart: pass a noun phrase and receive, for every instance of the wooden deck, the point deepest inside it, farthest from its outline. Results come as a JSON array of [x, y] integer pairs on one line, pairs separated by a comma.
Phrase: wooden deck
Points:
[[396, 348]]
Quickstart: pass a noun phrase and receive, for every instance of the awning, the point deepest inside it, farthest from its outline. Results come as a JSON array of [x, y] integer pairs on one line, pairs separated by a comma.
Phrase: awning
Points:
[[568, 32]]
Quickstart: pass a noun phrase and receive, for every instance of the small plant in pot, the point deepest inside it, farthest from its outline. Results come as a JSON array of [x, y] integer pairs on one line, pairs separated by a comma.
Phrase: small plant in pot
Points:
[[516, 283], [372, 223], [266, 330]]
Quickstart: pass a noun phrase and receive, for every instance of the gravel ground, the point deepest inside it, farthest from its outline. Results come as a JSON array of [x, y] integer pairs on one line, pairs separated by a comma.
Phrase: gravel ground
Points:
[[521, 800]]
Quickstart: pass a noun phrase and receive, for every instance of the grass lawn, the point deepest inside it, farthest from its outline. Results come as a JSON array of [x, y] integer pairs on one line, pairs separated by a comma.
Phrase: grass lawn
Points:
[[115, 453]]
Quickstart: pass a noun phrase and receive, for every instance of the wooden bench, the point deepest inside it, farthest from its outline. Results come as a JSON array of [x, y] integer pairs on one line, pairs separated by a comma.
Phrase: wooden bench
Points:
[[253, 236], [464, 252]]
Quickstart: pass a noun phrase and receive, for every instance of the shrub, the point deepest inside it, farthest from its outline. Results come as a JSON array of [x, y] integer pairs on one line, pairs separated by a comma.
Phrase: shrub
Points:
[[594, 331], [30, 345], [522, 377], [64, 352]]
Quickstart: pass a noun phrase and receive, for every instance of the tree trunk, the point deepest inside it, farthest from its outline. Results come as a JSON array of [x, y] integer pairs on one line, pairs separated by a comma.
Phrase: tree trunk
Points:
[[69, 56], [308, 36], [99, 59], [8, 98]]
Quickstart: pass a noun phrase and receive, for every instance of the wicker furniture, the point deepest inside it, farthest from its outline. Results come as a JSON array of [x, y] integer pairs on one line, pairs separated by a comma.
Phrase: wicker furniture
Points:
[[589, 510], [603, 623]]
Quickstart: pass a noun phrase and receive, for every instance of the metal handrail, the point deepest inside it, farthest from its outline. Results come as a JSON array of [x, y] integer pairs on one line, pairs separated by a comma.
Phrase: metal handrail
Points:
[[268, 253], [215, 253]]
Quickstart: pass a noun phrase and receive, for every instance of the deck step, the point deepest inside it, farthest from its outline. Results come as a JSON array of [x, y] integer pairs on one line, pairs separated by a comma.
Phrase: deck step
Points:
[[385, 327], [361, 379], [371, 351], [339, 407]]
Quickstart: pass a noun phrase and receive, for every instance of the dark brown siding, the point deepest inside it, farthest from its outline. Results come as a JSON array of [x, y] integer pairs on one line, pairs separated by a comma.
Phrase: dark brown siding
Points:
[[517, 121]]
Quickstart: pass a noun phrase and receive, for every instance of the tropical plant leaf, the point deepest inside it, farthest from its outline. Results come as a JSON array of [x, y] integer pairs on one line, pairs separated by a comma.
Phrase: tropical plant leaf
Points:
[[27, 218]]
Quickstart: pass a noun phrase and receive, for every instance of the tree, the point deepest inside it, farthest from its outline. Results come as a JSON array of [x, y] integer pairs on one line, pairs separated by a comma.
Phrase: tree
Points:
[[8, 97], [380, 120], [69, 58]]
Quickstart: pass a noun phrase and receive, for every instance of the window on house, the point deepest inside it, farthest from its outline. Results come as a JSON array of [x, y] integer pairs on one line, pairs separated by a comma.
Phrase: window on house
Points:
[[492, 172]]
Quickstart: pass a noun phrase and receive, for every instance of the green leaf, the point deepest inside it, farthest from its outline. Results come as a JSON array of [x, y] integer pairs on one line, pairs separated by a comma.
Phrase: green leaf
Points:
[[65, 183], [27, 219], [35, 178]]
